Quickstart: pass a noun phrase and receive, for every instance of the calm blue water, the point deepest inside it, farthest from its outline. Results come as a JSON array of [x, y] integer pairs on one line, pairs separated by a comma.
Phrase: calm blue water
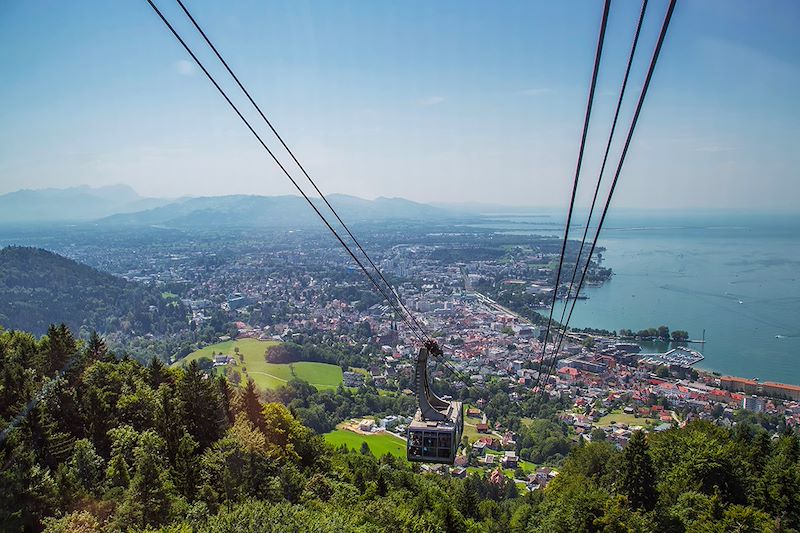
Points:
[[735, 275]]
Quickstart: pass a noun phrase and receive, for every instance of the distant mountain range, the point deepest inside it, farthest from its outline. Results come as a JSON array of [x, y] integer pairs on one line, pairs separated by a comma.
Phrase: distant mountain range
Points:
[[72, 204], [275, 211], [120, 205]]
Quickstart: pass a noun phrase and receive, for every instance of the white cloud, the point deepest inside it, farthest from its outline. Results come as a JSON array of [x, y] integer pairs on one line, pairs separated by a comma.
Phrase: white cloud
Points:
[[184, 67], [431, 100]]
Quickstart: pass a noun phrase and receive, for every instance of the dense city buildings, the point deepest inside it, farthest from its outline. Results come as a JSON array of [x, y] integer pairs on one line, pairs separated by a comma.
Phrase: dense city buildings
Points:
[[480, 294]]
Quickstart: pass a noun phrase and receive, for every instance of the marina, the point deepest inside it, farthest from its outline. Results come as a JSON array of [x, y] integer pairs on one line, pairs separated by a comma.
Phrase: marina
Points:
[[677, 356]]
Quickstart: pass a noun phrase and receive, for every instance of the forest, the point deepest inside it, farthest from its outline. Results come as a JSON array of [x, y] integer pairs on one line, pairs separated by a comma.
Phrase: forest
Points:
[[39, 288], [91, 442]]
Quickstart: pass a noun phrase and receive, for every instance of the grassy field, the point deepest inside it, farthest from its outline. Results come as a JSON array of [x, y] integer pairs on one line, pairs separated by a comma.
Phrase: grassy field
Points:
[[270, 375], [623, 418], [469, 426], [380, 444], [470, 432]]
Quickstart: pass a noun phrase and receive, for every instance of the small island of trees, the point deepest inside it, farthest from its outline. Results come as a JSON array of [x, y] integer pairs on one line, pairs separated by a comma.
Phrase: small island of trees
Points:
[[659, 333]]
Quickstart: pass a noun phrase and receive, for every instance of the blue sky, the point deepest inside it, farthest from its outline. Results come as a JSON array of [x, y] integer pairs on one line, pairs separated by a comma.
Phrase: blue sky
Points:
[[432, 101]]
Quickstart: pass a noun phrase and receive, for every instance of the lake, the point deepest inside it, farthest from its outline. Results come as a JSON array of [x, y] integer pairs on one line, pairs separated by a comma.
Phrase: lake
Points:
[[734, 275]]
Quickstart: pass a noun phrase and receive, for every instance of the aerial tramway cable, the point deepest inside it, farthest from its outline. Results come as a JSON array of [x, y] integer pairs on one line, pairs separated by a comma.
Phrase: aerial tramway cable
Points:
[[297, 162], [587, 116], [634, 120], [419, 334], [600, 175], [396, 304], [313, 183]]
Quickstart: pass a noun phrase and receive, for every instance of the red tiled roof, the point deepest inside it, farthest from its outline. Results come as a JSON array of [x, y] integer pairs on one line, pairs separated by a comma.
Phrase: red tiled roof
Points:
[[782, 386], [733, 379]]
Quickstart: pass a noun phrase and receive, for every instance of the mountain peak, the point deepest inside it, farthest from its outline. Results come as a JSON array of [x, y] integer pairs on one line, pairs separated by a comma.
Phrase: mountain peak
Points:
[[71, 204]]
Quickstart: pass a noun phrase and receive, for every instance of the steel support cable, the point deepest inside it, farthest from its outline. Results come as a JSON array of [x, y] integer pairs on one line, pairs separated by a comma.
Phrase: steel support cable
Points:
[[624, 153], [295, 159], [602, 169], [589, 103], [281, 166], [458, 374]]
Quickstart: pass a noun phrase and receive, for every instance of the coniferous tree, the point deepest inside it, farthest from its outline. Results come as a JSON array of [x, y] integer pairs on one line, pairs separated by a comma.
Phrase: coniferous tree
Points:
[[226, 401], [780, 482], [168, 422], [118, 472], [185, 469], [251, 406], [86, 465], [60, 349], [199, 405], [157, 372], [638, 479], [148, 500], [381, 485], [365, 449], [28, 492], [96, 349]]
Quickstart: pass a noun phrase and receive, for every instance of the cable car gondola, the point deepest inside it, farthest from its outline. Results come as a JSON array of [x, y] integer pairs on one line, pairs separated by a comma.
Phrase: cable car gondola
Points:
[[435, 433]]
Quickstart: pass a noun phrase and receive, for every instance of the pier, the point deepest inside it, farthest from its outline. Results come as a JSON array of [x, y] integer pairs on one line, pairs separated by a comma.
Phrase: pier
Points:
[[677, 356]]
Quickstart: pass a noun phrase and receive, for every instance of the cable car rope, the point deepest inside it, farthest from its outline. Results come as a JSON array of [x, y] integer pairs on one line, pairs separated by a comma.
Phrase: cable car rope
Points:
[[587, 116], [420, 334], [600, 175], [395, 303], [634, 120], [297, 162]]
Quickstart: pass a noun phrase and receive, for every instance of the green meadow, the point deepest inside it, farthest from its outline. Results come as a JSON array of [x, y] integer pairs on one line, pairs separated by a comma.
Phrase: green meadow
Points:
[[268, 375], [379, 444]]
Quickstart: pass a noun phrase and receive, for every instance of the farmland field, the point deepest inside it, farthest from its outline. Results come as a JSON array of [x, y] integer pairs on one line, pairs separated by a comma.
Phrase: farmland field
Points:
[[269, 375]]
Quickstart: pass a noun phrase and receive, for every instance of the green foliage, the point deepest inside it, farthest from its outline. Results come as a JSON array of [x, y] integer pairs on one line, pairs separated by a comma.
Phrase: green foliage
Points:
[[597, 461], [200, 406], [185, 467], [638, 479], [572, 503], [148, 500], [321, 410], [39, 288], [118, 473], [701, 458], [85, 465], [680, 335], [112, 445], [250, 404], [75, 522], [543, 441], [287, 352]]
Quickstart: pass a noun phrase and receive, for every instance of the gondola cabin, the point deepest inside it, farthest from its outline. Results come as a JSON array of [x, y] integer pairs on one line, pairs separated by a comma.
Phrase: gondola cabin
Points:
[[436, 441], [435, 433]]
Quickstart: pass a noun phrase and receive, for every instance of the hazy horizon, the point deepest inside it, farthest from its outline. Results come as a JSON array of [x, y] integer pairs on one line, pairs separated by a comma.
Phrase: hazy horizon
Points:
[[436, 103], [475, 207]]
